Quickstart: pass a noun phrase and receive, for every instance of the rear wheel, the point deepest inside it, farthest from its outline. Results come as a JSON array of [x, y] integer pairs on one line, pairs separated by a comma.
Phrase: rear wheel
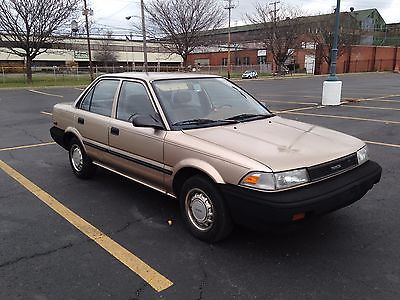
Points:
[[204, 210], [81, 164]]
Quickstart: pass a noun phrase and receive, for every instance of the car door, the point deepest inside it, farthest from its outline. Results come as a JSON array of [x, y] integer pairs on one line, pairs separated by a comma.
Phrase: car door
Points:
[[137, 151], [93, 117]]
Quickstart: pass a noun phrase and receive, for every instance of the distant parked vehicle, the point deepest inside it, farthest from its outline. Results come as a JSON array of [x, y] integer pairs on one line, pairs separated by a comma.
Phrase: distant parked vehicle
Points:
[[249, 74]]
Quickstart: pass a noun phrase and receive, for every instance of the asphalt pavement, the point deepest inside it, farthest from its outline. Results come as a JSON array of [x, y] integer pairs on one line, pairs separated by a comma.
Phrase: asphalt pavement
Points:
[[353, 253]]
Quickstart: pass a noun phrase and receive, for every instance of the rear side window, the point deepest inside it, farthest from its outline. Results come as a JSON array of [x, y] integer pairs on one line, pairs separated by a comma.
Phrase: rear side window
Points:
[[85, 103], [100, 99], [133, 100]]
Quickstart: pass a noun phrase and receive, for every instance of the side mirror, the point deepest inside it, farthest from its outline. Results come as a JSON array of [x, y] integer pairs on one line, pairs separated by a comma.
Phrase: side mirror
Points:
[[147, 121]]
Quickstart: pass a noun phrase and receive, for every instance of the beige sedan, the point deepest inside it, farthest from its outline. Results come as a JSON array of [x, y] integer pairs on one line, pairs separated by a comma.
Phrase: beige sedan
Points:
[[206, 141]]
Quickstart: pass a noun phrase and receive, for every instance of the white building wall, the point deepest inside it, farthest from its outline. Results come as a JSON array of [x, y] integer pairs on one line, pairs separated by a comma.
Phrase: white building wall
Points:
[[126, 55]]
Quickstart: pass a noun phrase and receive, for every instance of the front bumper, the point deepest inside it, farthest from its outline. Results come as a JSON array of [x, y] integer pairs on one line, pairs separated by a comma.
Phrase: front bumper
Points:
[[256, 208]]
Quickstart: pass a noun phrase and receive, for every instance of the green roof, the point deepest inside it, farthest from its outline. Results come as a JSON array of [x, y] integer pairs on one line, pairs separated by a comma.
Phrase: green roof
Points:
[[363, 14]]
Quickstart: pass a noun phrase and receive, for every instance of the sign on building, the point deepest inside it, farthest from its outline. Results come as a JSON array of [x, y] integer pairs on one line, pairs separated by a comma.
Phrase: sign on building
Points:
[[81, 55]]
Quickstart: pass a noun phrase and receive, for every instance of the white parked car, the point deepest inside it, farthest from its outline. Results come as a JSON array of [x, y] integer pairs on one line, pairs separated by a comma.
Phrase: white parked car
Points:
[[249, 74]]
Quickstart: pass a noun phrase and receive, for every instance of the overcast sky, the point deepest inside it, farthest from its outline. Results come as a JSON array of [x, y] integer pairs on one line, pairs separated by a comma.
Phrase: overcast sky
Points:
[[113, 13]]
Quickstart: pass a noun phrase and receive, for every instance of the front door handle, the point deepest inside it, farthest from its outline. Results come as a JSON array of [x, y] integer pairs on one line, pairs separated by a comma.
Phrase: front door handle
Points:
[[114, 131], [81, 120]]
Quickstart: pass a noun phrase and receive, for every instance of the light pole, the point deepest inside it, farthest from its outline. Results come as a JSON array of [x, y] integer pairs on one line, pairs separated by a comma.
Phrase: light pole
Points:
[[332, 87], [145, 64], [144, 37], [332, 75]]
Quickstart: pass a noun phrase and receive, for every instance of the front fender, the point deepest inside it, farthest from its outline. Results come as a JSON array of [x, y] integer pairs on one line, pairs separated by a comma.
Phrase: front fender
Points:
[[201, 166]]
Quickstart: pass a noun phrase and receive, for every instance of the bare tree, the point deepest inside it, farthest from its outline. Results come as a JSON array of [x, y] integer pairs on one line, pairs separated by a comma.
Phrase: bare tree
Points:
[[321, 30], [280, 30], [179, 25], [106, 54], [28, 27]]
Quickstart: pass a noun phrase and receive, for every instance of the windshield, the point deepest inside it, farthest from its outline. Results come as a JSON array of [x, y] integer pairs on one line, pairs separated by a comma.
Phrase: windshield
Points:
[[193, 103]]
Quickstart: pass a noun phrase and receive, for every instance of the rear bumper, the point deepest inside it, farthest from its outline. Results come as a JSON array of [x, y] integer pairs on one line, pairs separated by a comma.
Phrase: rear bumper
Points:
[[256, 208], [58, 135]]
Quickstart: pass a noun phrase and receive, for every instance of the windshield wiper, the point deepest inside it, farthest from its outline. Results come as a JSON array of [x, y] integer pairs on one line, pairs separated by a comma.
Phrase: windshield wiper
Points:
[[203, 122], [243, 117]]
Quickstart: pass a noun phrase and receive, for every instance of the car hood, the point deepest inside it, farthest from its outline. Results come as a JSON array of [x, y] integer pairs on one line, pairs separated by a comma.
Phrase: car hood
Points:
[[281, 144]]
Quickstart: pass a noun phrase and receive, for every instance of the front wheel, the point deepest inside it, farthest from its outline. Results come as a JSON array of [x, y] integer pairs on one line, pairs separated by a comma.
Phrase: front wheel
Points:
[[81, 164], [204, 210]]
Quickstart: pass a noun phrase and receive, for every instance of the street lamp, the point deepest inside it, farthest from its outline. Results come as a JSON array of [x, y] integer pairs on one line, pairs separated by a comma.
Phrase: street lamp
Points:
[[332, 87], [143, 34]]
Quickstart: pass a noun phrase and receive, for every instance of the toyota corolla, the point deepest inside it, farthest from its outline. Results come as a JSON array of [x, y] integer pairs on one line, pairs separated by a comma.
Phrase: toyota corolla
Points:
[[210, 144]]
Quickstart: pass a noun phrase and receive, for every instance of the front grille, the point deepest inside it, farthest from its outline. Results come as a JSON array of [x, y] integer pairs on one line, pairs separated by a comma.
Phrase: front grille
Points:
[[333, 167]]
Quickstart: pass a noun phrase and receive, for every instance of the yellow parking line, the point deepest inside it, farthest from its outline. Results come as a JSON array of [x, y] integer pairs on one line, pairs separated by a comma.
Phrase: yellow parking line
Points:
[[387, 96], [371, 107], [381, 100], [314, 97], [296, 109], [289, 102], [151, 276], [382, 144], [344, 117], [47, 94], [46, 113], [27, 146]]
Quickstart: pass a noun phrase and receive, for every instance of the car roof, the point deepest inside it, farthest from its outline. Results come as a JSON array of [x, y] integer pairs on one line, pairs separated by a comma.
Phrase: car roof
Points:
[[150, 76]]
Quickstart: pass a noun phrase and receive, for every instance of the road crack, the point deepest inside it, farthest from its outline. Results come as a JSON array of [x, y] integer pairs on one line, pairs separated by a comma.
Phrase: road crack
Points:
[[35, 255]]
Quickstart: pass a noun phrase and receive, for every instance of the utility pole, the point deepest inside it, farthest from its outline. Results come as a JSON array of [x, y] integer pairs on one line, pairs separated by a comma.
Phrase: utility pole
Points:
[[275, 10], [86, 13], [144, 38], [229, 7]]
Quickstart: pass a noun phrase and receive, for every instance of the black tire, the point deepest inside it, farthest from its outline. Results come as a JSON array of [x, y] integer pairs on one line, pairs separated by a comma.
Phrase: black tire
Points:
[[86, 168], [200, 199]]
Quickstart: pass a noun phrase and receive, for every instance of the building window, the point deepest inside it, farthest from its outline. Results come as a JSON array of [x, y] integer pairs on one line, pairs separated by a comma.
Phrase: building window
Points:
[[225, 61], [246, 60], [237, 61], [262, 60]]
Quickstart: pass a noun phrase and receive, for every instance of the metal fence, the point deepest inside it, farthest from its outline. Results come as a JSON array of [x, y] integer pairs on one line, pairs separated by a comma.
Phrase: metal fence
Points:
[[15, 74]]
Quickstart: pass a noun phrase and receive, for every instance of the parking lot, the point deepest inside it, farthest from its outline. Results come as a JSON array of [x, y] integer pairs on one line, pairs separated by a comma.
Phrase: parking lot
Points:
[[65, 238]]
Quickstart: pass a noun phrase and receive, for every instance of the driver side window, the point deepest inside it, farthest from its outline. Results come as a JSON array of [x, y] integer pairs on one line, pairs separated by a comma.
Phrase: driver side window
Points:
[[133, 100]]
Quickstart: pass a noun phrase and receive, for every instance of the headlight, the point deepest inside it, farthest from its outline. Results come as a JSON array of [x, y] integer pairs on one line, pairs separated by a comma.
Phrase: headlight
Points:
[[275, 181], [362, 155], [291, 178]]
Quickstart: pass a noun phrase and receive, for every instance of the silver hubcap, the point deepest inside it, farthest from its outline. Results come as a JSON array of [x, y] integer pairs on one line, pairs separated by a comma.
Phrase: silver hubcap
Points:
[[76, 158], [200, 210]]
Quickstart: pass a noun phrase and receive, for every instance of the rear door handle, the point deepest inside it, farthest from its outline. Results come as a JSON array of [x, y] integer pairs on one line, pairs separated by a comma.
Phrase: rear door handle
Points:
[[114, 131], [81, 120]]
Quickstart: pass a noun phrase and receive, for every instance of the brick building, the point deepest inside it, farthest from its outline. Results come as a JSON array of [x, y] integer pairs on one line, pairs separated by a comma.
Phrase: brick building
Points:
[[248, 51]]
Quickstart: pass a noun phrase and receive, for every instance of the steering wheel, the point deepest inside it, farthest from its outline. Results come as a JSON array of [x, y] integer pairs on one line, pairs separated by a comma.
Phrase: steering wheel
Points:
[[222, 106]]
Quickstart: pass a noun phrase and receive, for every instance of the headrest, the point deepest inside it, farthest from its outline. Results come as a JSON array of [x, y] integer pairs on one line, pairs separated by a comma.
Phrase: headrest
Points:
[[182, 98]]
